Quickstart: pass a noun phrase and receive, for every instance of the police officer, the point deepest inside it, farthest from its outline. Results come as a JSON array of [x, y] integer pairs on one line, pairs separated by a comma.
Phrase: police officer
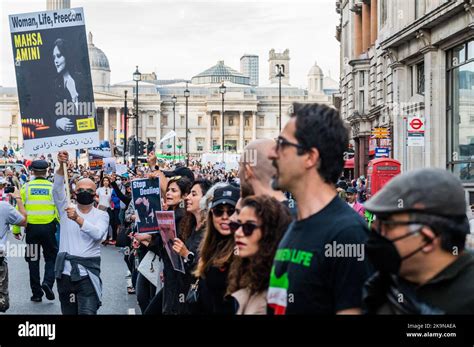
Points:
[[417, 245], [37, 196]]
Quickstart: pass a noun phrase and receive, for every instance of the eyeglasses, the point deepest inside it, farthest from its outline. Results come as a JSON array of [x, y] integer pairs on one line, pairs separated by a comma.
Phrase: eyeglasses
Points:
[[383, 226], [219, 211], [247, 227], [82, 190], [281, 142]]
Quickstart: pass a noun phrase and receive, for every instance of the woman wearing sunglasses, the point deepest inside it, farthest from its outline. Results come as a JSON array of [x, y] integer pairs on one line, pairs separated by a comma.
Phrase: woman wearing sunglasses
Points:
[[261, 223], [166, 301], [216, 252]]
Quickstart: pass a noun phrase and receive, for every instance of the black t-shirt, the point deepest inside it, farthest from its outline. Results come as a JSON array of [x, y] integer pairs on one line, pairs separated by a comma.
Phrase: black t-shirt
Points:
[[320, 265]]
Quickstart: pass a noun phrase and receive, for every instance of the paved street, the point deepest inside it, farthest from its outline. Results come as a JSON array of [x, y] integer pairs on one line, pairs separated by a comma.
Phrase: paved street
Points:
[[115, 298]]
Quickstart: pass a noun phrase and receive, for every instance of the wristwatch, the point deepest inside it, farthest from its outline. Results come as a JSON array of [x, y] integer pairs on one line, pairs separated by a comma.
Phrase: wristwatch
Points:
[[189, 258]]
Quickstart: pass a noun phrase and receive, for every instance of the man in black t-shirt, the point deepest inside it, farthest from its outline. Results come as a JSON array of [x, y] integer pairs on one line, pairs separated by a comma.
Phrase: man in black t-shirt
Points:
[[320, 265]]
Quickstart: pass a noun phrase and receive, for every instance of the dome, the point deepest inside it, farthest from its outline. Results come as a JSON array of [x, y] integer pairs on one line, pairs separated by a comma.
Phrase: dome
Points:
[[315, 70], [219, 73], [97, 58]]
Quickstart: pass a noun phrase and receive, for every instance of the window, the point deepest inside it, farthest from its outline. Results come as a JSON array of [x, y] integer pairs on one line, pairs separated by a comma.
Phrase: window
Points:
[[214, 121], [420, 8], [151, 120], [182, 121], [199, 144], [247, 121], [164, 121], [277, 120], [261, 121], [420, 78], [383, 12], [231, 121], [361, 79], [14, 119], [460, 113], [100, 119], [361, 102], [199, 121], [246, 142]]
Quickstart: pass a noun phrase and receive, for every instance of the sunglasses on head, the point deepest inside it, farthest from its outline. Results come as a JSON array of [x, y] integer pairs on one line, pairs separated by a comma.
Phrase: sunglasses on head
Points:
[[247, 227], [220, 210], [175, 178]]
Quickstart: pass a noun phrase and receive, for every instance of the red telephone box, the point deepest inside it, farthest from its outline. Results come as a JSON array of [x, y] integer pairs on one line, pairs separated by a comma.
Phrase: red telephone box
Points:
[[379, 172]]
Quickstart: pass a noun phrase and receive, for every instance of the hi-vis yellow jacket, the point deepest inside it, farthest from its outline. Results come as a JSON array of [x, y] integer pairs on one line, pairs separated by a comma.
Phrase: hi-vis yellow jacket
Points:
[[37, 196]]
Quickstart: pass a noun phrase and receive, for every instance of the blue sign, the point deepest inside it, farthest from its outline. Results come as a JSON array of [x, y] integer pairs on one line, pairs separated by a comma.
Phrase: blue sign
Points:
[[382, 152]]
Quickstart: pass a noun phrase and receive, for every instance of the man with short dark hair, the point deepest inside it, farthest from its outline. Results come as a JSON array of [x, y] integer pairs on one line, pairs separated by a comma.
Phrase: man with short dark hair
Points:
[[351, 197], [417, 246], [310, 275]]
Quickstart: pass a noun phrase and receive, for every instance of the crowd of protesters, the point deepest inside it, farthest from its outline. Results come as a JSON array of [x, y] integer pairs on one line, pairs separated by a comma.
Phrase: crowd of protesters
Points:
[[285, 234]]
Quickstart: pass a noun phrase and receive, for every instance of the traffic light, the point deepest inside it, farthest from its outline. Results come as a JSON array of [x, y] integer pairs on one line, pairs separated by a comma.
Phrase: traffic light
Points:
[[150, 146], [131, 147], [141, 148]]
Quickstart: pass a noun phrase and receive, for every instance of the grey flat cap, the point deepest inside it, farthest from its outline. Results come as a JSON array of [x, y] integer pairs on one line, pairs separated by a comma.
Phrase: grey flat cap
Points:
[[429, 190]]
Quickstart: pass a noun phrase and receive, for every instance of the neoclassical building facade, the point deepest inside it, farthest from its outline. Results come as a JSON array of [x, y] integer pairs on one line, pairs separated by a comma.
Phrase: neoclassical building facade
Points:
[[410, 58], [250, 111]]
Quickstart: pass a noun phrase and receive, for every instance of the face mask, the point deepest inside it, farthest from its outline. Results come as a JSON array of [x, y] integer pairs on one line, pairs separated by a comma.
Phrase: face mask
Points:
[[84, 198], [384, 255]]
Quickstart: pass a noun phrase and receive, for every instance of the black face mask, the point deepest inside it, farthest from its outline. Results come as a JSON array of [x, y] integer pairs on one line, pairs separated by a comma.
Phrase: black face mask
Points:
[[85, 198], [384, 255]]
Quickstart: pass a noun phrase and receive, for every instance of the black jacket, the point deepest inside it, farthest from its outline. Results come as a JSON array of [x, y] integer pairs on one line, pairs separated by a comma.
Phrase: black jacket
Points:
[[451, 291]]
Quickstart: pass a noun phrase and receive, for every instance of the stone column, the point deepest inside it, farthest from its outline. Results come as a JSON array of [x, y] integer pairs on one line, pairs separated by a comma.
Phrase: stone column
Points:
[[373, 21], [118, 125], [241, 131], [365, 27], [435, 105], [357, 34], [106, 124], [144, 123], [209, 131], [254, 126], [157, 128]]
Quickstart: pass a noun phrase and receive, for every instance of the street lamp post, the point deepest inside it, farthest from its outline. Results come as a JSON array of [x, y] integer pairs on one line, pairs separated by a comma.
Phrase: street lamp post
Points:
[[279, 75], [222, 90], [186, 95], [173, 100], [125, 116], [137, 76]]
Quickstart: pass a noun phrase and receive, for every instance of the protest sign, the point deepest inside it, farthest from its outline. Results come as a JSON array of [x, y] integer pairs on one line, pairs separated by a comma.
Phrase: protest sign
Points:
[[109, 166], [96, 157], [54, 81], [147, 201], [121, 169], [166, 223]]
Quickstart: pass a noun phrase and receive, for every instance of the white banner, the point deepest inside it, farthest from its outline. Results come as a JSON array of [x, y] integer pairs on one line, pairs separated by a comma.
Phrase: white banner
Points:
[[168, 136]]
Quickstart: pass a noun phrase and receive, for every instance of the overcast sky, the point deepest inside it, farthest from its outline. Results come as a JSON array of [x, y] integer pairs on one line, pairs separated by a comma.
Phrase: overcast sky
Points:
[[179, 38]]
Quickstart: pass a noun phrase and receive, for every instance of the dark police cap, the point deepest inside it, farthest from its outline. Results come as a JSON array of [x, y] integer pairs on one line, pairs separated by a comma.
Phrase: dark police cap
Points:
[[430, 190], [226, 195], [39, 165]]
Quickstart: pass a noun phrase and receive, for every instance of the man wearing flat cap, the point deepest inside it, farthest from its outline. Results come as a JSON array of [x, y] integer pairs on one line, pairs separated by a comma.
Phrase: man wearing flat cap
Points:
[[417, 245], [37, 196]]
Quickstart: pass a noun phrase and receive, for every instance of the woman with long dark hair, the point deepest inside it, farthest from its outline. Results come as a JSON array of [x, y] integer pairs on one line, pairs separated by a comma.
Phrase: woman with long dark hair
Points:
[[191, 228], [261, 223], [66, 88], [216, 253], [168, 297]]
